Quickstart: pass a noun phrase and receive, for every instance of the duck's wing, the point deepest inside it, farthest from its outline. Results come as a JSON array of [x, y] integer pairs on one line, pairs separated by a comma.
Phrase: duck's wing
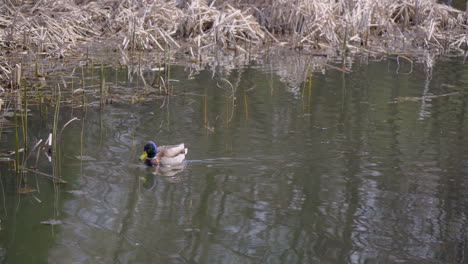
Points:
[[169, 161], [173, 150]]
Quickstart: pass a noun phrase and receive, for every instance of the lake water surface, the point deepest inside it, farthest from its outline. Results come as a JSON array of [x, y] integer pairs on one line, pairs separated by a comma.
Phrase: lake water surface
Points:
[[369, 166]]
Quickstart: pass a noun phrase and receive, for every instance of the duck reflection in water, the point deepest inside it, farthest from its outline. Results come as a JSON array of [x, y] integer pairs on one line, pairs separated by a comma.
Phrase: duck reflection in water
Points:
[[167, 173]]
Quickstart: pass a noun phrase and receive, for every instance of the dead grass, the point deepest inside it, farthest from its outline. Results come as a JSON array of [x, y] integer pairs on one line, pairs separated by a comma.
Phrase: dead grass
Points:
[[51, 25], [54, 27], [419, 23]]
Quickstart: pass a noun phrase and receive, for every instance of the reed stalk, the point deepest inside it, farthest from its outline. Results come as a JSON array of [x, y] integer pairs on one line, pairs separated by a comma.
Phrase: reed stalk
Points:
[[133, 34], [102, 86], [205, 110], [246, 106], [82, 143], [17, 144], [309, 97], [139, 69], [159, 76], [168, 70], [55, 147], [303, 89], [36, 66], [3, 195], [82, 79], [227, 112], [24, 121]]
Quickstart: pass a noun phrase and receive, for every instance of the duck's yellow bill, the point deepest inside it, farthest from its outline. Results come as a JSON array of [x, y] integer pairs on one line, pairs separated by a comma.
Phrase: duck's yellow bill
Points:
[[143, 156]]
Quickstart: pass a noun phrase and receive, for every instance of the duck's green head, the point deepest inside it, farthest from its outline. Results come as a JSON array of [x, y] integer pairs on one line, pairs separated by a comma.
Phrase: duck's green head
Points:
[[150, 151]]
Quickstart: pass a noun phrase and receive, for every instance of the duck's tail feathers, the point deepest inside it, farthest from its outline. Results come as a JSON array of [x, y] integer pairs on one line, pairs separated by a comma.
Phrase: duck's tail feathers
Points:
[[185, 151]]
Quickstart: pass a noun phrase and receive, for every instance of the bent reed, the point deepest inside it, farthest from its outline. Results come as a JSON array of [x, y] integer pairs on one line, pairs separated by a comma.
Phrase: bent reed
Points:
[[55, 27]]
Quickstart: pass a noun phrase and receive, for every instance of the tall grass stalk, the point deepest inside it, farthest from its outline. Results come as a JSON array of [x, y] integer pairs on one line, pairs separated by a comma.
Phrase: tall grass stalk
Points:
[[3, 195], [139, 69], [101, 127], [72, 88], [272, 83], [230, 100], [36, 66], [227, 112], [345, 41], [246, 106], [309, 96], [17, 144], [159, 75], [17, 76], [55, 146], [24, 122], [303, 89], [205, 110], [306, 91], [81, 143], [82, 78], [133, 33], [24, 115], [343, 88], [102, 86], [84, 98], [168, 71]]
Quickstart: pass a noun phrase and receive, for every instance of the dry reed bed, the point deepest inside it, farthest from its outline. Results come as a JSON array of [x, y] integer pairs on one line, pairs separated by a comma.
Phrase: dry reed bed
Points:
[[417, 22], [54, 27], [145, 24], [51, 25]]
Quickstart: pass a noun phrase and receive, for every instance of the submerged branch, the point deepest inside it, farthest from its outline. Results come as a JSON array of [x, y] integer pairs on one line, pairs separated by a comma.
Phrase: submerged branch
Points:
[[44, 174]]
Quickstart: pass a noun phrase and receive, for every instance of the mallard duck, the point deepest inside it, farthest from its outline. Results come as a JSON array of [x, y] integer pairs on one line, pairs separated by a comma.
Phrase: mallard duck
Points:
[[163, 155]]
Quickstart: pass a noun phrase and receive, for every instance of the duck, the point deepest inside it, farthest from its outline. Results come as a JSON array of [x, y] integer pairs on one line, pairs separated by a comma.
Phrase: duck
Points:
[[170, 155]]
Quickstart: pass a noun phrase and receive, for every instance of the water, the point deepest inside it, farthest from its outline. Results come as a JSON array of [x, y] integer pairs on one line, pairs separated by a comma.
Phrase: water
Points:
[[337, 171]]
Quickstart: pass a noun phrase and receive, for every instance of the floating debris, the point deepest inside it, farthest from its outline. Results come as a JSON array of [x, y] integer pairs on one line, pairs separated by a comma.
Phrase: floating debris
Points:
[[85, 158], [79, 91], [192, 230], [56, 179], [77, 192], [35, 198], [14, 152], [52, 222], [415, 99], [26, 190], [5, 159]]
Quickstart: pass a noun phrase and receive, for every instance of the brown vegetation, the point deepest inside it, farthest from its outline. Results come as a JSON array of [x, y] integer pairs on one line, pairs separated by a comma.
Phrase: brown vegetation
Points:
[[56, 26]]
